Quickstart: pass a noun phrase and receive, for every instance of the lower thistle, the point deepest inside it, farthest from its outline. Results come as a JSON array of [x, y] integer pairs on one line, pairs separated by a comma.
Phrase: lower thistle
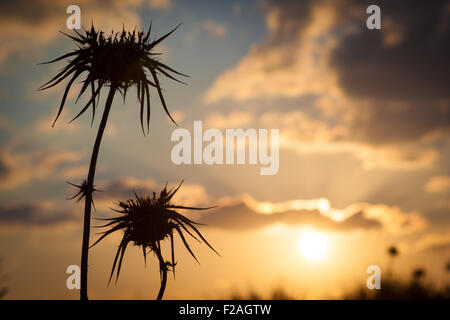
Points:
[[146, 221]]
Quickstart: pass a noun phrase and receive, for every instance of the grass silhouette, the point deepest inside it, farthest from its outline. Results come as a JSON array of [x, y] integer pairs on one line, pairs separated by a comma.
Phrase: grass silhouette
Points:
[[146, 221], [417, 288], [392, 289], [277, 293], [118, 61], [3, 288]]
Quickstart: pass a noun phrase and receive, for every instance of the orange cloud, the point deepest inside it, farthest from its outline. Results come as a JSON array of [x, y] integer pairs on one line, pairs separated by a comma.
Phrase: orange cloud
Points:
[[244, 212], [430, 242], [234, 119], [303, 134], [438, 184], [17, 169], [277, 68]]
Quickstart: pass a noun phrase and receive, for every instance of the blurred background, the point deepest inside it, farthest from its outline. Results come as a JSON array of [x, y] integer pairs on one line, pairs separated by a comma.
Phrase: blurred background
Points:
[[364, 149]]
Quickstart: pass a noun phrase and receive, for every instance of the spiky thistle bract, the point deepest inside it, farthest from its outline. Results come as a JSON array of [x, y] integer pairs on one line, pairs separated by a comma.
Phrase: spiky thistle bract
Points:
[[83, 190], [121, 60], [146, 221]]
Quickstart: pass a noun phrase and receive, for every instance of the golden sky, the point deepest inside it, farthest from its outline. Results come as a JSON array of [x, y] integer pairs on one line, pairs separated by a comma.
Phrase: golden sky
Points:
[[363, 117]]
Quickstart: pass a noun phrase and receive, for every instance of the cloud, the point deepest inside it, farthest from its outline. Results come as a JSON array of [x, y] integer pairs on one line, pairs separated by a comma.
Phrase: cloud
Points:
[[36, 213], [438, 184], [368, 67], [178, 115], [5, 124], [27, 26], [244, 212], [433, 242], [124, 187], [314, 46], [306, 135], [215, 29], [17, 169], [240, 212], [237, 9], [44, 125], [241, 216], [406, 100], [289, 62], [161, 4], [75, 172], [376, 92], [234, 119]]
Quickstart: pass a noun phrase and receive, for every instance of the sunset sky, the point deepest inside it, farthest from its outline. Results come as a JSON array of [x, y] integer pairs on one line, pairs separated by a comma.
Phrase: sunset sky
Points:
[[364, 146]]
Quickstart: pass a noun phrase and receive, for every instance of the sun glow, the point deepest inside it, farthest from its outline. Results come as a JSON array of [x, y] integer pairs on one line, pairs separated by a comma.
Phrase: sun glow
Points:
[[313, 245]]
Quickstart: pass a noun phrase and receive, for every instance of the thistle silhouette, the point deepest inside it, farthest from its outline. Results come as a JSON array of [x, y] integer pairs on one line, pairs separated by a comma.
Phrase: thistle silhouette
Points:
[[393, 253], [118, 61], [146, 221], [3, 288]]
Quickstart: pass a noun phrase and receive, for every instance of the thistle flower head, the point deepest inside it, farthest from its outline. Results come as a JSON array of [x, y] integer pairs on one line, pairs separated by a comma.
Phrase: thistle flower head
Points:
[[83, 190], [393, 251], [149, 219], [120, 60], [418, 274]]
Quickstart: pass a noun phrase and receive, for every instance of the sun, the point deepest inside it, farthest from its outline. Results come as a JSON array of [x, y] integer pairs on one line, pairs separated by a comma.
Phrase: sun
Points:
[[313, 245]]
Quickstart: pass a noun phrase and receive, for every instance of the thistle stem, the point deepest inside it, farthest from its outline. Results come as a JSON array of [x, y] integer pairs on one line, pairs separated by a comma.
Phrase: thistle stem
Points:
[[163, 269], [89, 191]]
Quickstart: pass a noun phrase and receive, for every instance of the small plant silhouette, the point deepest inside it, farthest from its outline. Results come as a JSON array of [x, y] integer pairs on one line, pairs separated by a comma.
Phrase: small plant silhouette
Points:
[[418, 274], [3, 288], [120, 61], [146, 221], [393, 253]]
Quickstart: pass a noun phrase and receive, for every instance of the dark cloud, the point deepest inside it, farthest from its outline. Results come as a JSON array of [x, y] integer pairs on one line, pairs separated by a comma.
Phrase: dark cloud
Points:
[[17, 169], [387, 122], [5, 168], [242, 217], [26, 26], [30, 11], [439, 248], [414, 66], [401, 72], [33, 214], [125, 187], [385, 88]]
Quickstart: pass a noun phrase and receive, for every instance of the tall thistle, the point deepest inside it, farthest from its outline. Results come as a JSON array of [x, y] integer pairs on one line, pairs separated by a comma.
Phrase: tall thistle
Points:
[[146, 221], [118, 61]]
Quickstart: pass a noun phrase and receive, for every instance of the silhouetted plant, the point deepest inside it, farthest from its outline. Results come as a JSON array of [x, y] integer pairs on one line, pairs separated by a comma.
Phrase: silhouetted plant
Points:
[[3, 288], [146, 221], [393, 253], [418, 274], [277, 293], [120, 61]]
